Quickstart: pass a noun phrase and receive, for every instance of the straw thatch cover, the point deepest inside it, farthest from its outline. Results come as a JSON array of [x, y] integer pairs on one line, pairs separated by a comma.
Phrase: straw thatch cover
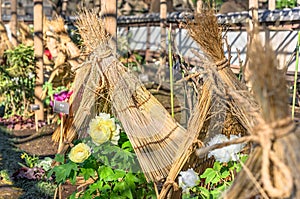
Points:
[[215, 112], [272, 170], [155, 136]]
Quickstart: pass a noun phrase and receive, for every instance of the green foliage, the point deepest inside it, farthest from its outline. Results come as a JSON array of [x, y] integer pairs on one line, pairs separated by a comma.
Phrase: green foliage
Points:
[[280, 4], [113, 169], [216, 179], [17, 80], [30, 161]]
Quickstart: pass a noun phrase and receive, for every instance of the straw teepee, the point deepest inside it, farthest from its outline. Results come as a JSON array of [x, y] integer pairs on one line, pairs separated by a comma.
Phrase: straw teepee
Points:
[[215, 112], [155, 136], [272, 170]]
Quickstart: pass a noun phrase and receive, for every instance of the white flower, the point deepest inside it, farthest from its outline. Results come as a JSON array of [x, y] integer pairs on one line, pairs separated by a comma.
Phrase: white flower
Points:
[[188, 179], [103, 128], [227, 153], [30, 75]]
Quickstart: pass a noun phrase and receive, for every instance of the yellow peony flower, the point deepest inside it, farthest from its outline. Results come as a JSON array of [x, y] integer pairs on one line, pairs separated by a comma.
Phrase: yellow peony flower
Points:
[[80, 153], [103, 128]]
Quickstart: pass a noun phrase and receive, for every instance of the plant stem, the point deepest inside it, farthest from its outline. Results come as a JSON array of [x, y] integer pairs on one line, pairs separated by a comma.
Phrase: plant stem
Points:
[[296, 76], [171, 71]]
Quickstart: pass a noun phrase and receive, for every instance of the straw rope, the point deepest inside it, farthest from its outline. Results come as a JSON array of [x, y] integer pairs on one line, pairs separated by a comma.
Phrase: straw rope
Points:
[[265, 135], [222, 64]]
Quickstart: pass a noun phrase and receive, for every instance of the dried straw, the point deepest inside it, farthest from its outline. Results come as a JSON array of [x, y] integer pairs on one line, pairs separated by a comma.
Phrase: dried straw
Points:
[[155, 136], [214, 101], [272, 169], [5, 44]]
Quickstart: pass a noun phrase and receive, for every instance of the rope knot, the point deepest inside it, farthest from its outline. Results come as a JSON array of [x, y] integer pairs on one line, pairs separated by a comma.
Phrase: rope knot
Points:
[[172, 183], [222, 64]]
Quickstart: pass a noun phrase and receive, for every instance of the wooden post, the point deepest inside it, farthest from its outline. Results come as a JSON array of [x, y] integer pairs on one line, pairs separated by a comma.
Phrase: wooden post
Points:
[[163, 42], [64, 8], [0, 10], [109, 10], [199, 6], [253, 7], [272, 5], [38, 53], [14, 22]]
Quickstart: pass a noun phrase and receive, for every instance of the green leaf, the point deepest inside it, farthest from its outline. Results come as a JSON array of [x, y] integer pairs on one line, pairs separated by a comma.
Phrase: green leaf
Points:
[[217, 166], [209, 174], [204, 192], [225, 174], [87, 173], [105, 173], [216, 179], [119, 174], [95, 186], [59, 158], [62, 172], [73, 176]]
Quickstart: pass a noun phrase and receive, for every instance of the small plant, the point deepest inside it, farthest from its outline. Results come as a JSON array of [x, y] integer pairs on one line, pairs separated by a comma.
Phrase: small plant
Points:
[[34, 168], [216, 180], [17, 80], [107, 160], [30, 161]]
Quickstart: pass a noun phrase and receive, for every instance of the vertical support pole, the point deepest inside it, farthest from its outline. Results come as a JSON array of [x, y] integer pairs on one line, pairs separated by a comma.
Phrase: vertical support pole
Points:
[[253, 9], [64, 8], [38, 53], [109, 12], [272, 5], [0, 10], [199, 6], [14, 23], [163, 42]]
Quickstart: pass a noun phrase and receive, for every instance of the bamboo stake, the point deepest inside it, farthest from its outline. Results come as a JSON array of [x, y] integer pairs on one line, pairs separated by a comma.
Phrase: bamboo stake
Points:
[[171, 72], [60, 146], [296, 77]]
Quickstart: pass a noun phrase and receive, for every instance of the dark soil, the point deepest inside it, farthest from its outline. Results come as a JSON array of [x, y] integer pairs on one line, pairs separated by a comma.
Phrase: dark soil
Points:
[[12, 144]]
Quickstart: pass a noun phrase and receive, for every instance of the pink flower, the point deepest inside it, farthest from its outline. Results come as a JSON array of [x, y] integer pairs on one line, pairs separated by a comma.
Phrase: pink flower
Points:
[[61, 96]]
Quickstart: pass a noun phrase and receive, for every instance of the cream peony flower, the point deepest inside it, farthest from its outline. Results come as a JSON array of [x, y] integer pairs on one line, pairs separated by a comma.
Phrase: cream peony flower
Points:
[[227, 153], [103, 128], [188, 179], [80, 153]]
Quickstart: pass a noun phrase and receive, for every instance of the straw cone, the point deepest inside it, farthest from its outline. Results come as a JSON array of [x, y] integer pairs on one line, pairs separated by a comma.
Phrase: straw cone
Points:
[[155, 136], [272, 170], [214, 99]]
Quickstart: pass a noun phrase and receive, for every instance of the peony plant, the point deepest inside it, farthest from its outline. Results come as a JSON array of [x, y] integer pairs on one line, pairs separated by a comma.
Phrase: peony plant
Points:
[[106, 158]]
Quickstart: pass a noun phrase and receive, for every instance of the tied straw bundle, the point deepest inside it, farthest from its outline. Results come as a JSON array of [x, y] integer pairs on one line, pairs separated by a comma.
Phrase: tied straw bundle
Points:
[[153, 133], [214, 102], [272, 170]]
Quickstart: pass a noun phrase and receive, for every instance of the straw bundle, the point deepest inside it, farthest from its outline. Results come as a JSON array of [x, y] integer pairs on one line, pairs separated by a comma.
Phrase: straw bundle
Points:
[[155, 136], [26, 36], [214, 103], [5, 44], [272, 169]]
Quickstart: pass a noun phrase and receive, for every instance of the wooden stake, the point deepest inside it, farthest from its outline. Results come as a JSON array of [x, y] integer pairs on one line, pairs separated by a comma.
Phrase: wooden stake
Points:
[[36, 123], [60, 146], [38, 54]]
